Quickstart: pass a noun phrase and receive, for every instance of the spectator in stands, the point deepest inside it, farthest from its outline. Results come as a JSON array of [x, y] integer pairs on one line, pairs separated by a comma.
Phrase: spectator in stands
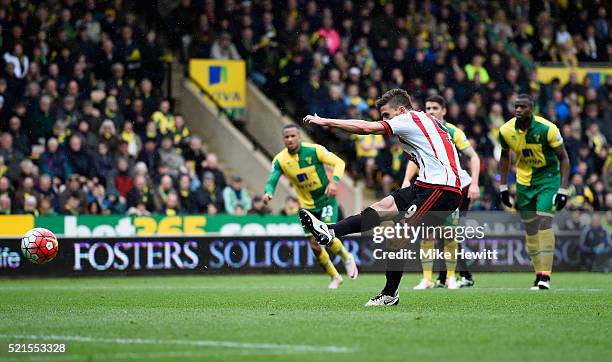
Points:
[[235, 194], [12, 157], [366, 150], [187, 198], [391, 161], [104, 164], [291, 206], [88, 139], [580, 195], [259, 208], [5, 205], [140, 198], [72, 200], [163, 118], [180, 133], [171, 206], [25, 190], [212, 166], [223, 48], [352, 98], [194, 155], [21, 142], [149, 155], [30, 205], [18, 60], [78, 158], [42, 120], [334, 107], [46, 191], [170, 158], [54, 162], [595, 246], [122, 181], [134, 144], [164, 189], [210, 193]]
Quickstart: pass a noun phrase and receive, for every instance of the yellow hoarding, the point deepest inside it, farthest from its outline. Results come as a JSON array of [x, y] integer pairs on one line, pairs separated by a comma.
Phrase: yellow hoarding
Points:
[[597, 74], [225, 80], [13, 225]]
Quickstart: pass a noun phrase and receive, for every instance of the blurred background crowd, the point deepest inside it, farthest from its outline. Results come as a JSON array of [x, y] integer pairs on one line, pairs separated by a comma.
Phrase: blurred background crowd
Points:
[[86, 128]]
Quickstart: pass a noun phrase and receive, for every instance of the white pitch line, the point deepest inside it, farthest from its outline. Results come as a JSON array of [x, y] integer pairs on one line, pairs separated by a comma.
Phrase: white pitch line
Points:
[[151, 287], [126, 356], [291, 348]]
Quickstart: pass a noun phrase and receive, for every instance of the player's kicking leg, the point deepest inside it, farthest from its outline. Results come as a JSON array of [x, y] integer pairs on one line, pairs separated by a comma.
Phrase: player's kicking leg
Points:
[[329, 214], [372, 216], [423, 199]]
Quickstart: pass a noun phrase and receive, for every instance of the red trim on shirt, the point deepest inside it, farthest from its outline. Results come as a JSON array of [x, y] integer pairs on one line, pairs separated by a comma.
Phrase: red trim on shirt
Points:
[[450, 151], [387, 127]]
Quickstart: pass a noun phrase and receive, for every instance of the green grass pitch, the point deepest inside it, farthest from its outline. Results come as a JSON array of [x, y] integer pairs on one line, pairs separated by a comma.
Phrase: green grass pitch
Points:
[[294, 318]]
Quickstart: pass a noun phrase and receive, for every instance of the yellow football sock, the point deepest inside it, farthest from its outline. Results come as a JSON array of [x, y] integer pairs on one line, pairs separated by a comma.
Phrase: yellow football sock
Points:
[[327, 264], [547, 250], [427, 263], [450, 246], [337, 248], [533, 249]]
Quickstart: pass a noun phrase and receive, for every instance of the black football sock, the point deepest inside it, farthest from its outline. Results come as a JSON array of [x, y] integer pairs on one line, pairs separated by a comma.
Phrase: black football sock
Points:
[[394, 273], [394, 277], [462, 266], [442, 277], [365, 221]]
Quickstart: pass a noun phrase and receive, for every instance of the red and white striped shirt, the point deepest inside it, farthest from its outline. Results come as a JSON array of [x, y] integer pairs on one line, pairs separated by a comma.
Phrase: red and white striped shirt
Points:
[[430, 146]]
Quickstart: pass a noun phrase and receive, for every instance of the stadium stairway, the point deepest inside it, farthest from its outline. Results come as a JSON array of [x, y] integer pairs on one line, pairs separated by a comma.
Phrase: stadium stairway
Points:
[[245, 159], [263, 116], [238, 155]]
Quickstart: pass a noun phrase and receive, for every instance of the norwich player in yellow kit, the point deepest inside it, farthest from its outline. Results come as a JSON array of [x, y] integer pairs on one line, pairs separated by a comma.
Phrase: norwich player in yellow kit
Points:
[[542, 175], [304, 166]]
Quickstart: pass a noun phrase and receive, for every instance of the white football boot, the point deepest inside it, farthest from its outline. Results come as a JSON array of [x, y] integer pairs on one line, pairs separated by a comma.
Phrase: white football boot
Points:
[[335, 282], [451, 283], [424, 284], [316, 227], [351, 267], [383, 300]]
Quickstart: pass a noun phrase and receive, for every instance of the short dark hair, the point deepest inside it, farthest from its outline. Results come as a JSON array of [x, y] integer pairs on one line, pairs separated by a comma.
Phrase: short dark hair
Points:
[[287, 126], [436, 99], [394, 98], [526, 97]]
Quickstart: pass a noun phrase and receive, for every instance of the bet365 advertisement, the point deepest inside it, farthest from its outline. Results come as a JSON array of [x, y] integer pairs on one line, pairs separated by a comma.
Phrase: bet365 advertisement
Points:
[[210, 255]]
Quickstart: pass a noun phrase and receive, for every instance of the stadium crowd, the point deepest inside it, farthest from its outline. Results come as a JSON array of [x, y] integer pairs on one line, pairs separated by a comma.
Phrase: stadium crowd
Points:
[[86, 130], [335, 58], [84, 126]]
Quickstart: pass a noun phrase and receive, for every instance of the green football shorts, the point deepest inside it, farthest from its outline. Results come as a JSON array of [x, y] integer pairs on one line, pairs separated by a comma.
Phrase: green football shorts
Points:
[[327, 213], [537, 199]]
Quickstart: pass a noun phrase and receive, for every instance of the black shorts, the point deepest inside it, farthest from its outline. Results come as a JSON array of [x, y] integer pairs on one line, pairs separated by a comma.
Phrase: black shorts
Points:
[[426, 204], [464, 205]]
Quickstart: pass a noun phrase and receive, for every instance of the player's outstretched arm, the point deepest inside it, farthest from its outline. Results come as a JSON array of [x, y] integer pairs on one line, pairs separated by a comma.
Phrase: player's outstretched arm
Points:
[[355, 126]]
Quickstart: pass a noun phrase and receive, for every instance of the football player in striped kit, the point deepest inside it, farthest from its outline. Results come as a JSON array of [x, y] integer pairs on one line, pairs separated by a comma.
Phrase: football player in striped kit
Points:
[[436, 192]]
